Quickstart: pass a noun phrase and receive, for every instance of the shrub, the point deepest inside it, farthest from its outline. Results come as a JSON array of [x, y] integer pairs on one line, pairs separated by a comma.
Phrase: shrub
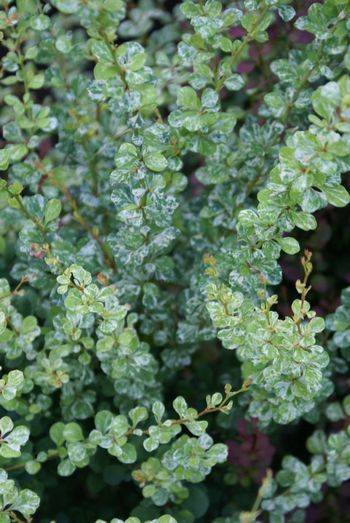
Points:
[[157, 161]]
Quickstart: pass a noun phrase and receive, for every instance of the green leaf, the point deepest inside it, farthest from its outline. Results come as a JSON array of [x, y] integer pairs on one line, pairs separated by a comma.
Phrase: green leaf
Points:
[[40, 23], [346, 405], [76, 452], [4, 159], [317, 442], [304, 221], [289, 245], [56, 433], [188, 99], [26, 6], [67, 6], [138, 414], [17, 152], [102, 51], [52, 210], [65, 468], [166, 519], [337, 195], [317, 324], [155, 161], [235, 82], [63, 43], [18, 437], [326, 99], [72, 432], [158, 410], [105, 71], [150, 444], [120, 425], [103, 420], [131, 56], [32, 467], [15, 378], [286, 12], [180, 406], [15, 188], [37, 81], [2, 322], [6, 425], [27, 503], [128, 454]]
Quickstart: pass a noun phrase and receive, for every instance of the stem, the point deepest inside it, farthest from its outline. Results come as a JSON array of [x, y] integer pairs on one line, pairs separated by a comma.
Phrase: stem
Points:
[[255, 511], [244, 43], [27, 214], [204, 412], [16, 518], [84, 223], [18, 466], [23, 280]]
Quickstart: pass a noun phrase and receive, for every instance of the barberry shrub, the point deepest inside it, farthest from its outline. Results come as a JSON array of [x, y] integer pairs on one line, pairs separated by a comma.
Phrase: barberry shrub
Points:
[[157, 159]]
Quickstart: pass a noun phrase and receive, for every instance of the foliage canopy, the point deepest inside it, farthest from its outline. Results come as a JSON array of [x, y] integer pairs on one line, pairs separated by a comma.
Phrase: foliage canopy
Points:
[[151, 180]]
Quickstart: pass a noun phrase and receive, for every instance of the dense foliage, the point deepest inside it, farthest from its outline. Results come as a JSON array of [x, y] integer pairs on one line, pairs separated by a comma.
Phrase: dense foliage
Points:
[[157, 160]]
